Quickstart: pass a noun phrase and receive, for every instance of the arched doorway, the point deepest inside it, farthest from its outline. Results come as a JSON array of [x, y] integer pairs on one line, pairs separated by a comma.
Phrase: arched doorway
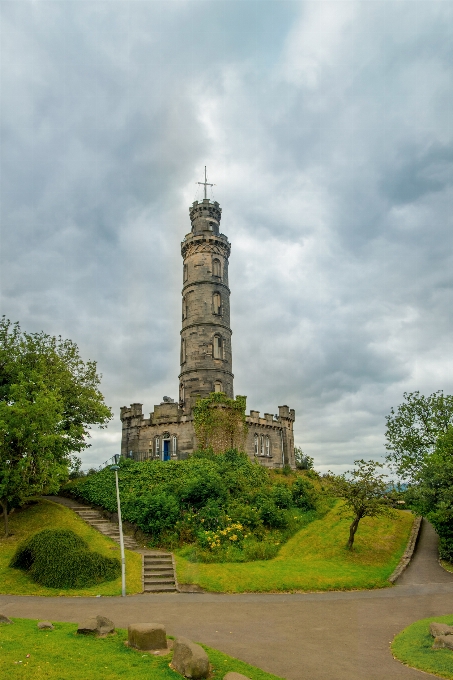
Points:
[[166, 453]]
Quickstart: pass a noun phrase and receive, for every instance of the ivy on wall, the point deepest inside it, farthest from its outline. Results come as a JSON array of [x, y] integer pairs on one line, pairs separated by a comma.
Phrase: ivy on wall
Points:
[[220, 423]]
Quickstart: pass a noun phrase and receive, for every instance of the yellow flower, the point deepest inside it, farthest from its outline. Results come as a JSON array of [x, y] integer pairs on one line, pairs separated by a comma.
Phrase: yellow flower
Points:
[[233, 537]]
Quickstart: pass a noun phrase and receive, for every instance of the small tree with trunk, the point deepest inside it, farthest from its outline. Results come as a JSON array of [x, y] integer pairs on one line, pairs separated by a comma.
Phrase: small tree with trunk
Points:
[[364, 491]]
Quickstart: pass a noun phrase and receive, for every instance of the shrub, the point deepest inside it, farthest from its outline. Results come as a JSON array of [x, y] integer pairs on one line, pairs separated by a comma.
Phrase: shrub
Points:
[[282, 496], [272, 516], [153, 512], [304, 495], [58, 558]]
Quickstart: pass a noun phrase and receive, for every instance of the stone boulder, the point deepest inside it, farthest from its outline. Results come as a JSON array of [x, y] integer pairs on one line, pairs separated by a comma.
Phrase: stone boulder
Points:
[[443, 642], [190, 659], [437, 629], [147, 636], [235, 676], [96, 625], [45, 625], [5, 620]]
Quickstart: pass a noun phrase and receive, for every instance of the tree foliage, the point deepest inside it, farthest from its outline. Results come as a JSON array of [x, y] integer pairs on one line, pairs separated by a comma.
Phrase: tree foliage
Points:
[[219, 422], [364, 492], [431, 495], [413, 430], [49, 398], [303, 462]]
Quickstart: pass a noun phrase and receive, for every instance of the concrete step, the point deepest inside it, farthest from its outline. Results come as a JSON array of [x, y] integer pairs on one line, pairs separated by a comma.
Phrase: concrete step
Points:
[[160, 589]]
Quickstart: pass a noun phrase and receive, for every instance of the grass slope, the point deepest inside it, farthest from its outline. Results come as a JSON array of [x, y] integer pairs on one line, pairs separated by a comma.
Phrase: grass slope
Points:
[[314, 559], [413, 647], [47, 515], [62, 653]]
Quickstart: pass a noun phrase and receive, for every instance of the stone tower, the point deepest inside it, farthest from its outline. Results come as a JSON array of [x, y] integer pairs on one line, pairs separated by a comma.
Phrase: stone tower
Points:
[[206, 361]]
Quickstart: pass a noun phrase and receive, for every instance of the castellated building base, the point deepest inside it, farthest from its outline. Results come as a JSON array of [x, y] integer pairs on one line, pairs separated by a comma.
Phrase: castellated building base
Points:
[[168, 434], [206, 361]]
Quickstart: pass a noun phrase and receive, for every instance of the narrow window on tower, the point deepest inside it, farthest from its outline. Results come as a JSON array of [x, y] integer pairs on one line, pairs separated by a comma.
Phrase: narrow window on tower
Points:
[[174, 445], [184, 308], [181, 393], [183, 351], [218, 347], [256, 440], [216, 268], [185, 272], [217, 386], [217, 303]]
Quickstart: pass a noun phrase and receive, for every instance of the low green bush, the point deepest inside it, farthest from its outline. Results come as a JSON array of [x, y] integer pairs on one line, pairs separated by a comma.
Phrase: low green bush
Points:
[[58, 558], [186, 502]]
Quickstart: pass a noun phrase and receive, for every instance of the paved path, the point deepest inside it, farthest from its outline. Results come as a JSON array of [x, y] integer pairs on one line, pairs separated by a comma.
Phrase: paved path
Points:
[[312, 636], [424, 566]]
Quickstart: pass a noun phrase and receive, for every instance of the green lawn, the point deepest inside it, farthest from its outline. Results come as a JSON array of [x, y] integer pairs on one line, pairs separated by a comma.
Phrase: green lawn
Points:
[[314, 559], [62, 654], [413, 647], [47, 515]]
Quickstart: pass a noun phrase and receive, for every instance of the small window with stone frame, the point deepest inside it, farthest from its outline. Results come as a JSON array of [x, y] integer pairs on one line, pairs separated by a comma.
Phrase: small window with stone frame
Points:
[[218, 347], [217, 304], [256, 441], [216, 268]]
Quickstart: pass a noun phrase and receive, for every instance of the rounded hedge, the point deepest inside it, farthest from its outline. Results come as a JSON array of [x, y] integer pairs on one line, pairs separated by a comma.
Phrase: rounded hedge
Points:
[[59, 558]]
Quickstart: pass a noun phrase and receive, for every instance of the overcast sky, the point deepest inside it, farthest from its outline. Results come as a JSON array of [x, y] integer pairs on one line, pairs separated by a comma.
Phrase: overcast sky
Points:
[[327, 129]]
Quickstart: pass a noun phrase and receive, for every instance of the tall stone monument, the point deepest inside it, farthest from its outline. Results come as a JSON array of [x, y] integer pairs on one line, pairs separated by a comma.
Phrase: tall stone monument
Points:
[[206, 359]]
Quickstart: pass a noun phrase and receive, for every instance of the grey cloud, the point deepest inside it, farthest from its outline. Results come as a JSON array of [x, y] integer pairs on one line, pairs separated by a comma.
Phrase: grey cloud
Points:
[[332, 159]]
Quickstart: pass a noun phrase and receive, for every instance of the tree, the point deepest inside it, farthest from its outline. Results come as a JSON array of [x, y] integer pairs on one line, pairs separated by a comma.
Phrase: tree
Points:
[[412, 432], [364, 493], [303, 462], [432, 492], [49, 398]]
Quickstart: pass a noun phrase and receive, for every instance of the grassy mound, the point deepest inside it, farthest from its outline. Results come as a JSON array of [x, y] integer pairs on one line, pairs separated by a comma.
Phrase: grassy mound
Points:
[[59, 558], [27, 521], [226, 507], [53, 655], [413, 647], [314, 559]]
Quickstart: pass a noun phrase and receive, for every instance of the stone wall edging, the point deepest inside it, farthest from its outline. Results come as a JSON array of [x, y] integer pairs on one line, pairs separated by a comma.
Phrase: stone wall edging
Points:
[[408, 553]]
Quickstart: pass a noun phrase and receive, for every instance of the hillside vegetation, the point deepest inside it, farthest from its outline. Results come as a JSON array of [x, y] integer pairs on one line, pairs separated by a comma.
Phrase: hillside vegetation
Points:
[[220, 508], [39, 515], [315, 558]]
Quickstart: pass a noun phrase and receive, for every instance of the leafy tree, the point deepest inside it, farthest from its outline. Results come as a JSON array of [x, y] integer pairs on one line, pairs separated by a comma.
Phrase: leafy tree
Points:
[[303, 462], [49, 398], [413, 430], [364, 493], [432, 493]]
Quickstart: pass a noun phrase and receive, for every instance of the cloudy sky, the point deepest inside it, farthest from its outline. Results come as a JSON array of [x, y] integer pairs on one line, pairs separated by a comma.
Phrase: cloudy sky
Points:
[[327, 129]]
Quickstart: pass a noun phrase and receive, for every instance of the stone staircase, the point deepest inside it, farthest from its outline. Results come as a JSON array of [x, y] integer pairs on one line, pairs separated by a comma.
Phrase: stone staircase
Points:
[[159, 573], [95, 519]]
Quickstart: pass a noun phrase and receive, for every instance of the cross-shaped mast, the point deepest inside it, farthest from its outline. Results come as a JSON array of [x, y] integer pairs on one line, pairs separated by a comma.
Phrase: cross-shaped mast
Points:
[[205, 183]]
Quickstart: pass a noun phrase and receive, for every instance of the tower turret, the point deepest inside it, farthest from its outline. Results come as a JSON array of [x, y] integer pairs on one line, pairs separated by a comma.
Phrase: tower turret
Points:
[[206, 361]]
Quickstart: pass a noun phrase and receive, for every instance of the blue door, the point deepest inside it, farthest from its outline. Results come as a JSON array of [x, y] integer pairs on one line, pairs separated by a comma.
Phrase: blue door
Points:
[[166, 450]]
